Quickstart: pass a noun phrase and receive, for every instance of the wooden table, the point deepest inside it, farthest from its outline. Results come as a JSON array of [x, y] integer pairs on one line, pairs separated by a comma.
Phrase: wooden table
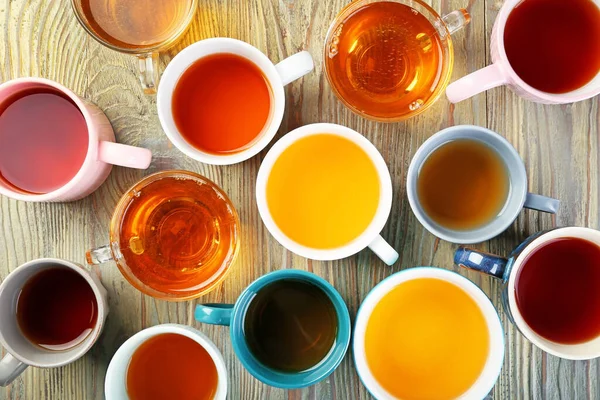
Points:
[[559, 144]]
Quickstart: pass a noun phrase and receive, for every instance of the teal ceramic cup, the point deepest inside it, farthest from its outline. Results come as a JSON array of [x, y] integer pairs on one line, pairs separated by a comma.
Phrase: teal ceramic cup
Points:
[[233, 315]]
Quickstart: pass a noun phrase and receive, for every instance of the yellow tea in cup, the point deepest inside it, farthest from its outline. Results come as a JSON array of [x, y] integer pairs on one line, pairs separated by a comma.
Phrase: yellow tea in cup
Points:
[[323, 191], [427, 339]]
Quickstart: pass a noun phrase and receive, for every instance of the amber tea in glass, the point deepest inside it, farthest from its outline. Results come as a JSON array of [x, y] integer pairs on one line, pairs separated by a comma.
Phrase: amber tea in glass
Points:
[[173, 235], [390, 60], [140, 27]]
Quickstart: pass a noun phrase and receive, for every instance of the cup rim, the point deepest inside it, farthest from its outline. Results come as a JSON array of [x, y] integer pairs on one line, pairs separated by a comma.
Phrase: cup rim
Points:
[[91, 156], [427, 148], [495, 360], [128, 348], [83, 347], [137, 51], [441, 86], [385, 198], [191, 54], [120, 210], [554, 348], [328, 364], [556, 98]]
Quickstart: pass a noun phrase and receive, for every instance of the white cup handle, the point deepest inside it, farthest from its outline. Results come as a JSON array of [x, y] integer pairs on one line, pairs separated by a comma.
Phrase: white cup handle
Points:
[[384, 251], [295, 67], [10, 369]]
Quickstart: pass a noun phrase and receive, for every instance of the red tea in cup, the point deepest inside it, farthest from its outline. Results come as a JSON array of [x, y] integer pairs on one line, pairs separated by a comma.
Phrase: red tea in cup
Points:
[[557, 290], [43, 140], [171, 366], [222, 103], [57, 309], [554, 45]]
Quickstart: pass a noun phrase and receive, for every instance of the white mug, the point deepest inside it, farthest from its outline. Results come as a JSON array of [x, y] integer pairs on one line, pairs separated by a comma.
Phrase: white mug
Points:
[[278, 76], [21, 353], [370, 237], [507, 269], [491, 370], [115, 384]]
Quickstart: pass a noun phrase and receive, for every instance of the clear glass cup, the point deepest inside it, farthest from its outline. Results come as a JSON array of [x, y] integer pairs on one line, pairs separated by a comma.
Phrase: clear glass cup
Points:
[[147, 55], [403, 100], [173, 235]]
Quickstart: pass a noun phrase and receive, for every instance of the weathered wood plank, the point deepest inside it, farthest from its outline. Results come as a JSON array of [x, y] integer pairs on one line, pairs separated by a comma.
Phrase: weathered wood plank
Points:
[[559, 144]]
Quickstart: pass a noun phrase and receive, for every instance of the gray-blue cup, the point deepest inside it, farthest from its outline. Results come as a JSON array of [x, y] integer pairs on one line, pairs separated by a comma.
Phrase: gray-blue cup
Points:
[[518, 197]]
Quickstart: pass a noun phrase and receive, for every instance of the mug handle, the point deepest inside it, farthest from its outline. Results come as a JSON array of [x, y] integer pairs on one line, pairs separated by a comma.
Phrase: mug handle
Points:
[[479, 81], [124, 155], [383, 250], [542, 203], [295, 67], [148, 72], [10, 369], [486, 263], [214, 313]]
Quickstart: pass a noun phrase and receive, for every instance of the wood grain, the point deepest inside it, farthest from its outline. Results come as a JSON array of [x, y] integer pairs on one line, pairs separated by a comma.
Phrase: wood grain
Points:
[[560, 146]]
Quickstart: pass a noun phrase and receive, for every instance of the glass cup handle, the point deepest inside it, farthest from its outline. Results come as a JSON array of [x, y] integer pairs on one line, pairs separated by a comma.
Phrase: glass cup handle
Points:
[[99, 255], [456, 20], [148, 73]]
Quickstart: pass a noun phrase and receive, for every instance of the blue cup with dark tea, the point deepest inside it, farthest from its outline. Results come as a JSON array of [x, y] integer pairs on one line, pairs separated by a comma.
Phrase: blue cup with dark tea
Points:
[[289, 328]]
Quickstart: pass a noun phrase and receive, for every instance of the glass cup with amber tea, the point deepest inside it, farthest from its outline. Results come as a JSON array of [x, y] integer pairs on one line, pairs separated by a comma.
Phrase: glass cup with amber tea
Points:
[[174, 235], [139, 27], [389, 60]]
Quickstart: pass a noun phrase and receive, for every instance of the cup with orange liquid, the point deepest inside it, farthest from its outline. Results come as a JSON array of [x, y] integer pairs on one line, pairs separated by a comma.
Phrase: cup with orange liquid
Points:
[[325, 193], [221, 100], [167, 361], [428, 333], [139, 27], [389, 60], [174, 235]]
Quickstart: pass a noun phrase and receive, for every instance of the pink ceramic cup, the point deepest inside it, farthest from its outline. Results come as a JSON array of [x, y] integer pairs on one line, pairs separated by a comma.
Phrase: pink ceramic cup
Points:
[[501, 73], [102, 152]]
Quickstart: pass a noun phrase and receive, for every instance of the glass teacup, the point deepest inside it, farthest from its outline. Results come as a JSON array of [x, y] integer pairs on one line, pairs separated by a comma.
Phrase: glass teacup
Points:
[[174, 235], [389, 60], [137, 27]]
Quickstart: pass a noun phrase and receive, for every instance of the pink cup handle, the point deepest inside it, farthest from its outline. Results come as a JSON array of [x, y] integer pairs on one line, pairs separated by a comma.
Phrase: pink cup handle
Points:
[[477, 82], [124, 155]]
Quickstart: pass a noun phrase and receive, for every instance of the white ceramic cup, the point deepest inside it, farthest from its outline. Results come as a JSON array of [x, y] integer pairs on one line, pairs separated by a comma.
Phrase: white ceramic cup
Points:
[[370, 237], [491, 370], [508, 269], [21, 353], [277, 76], [115, 384]]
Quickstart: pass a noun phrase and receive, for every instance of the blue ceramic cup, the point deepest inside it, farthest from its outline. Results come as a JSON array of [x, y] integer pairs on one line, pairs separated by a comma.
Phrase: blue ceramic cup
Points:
[[234, 315], [507, 270], [518, 197]]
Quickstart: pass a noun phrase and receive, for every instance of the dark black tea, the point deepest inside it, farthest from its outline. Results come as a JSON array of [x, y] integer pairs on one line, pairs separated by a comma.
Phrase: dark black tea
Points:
[[558, 290], [57, 309], [290, 325], [554, 45]]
